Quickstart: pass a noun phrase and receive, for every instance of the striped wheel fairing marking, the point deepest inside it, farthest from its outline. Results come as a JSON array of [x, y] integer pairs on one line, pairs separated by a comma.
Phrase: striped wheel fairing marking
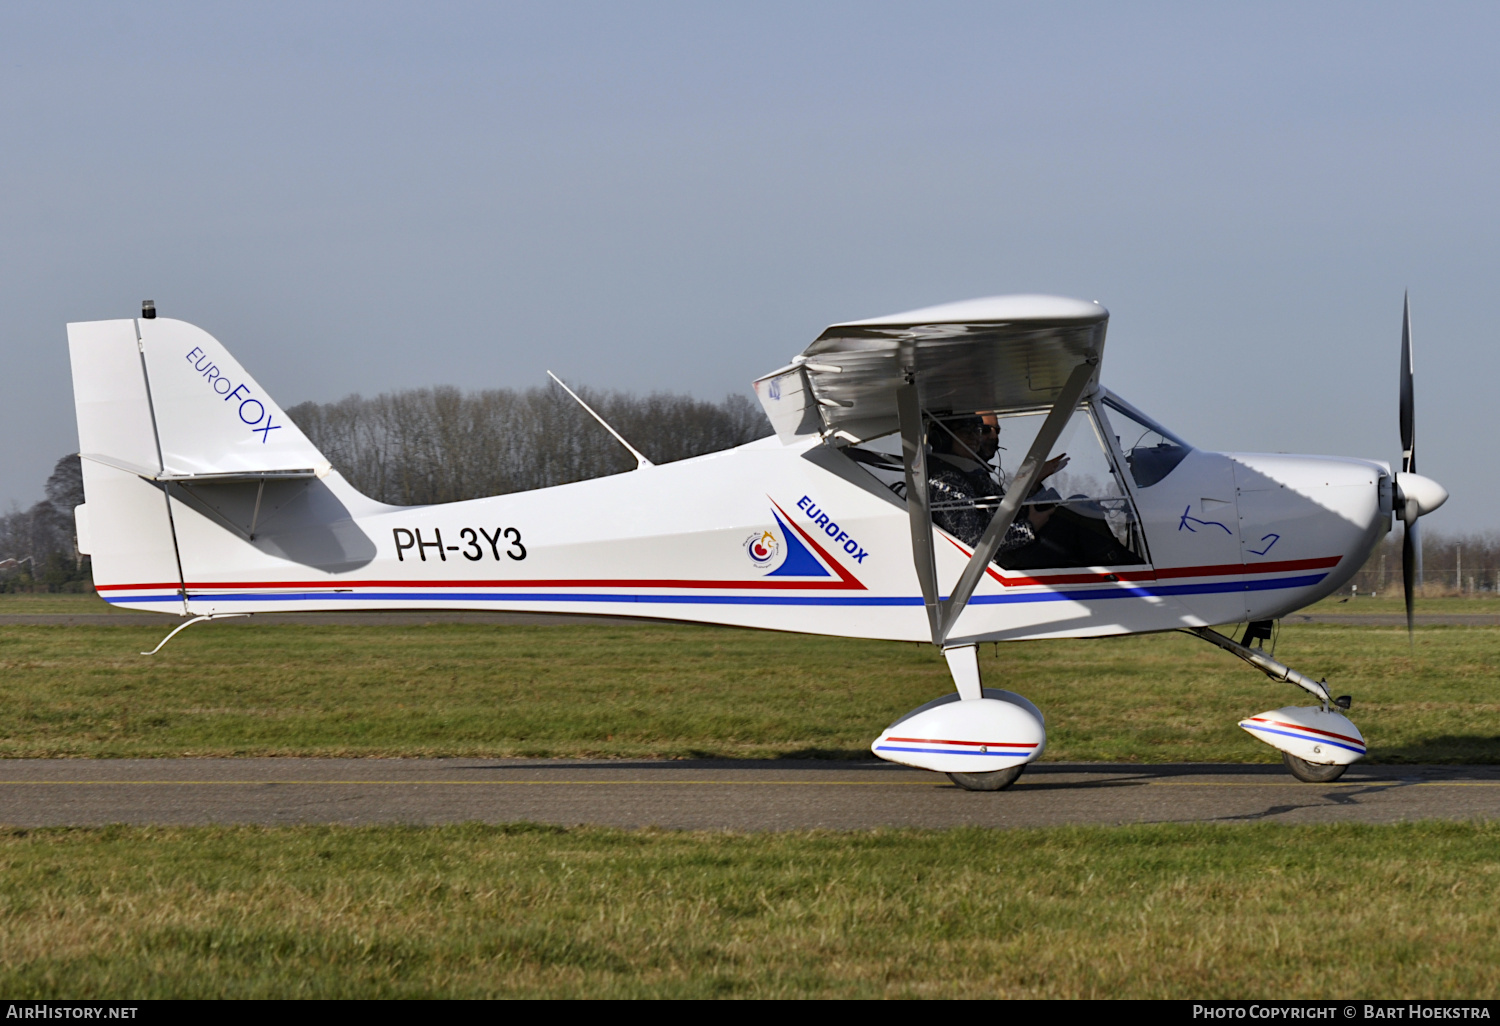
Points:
[[955, 751], [1304, 733], [940, 741], [1311, 730]]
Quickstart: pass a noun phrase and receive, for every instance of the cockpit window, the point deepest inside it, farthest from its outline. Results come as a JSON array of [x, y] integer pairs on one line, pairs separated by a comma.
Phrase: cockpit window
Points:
[[1078, 514], [1150, 450]]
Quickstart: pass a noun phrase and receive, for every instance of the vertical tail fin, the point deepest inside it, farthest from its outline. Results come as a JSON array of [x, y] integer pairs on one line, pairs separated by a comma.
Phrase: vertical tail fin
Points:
[[161, 403], [163, 399]]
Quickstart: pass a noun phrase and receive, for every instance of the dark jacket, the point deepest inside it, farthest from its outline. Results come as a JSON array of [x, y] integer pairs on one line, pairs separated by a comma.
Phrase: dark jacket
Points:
[[964, 498]]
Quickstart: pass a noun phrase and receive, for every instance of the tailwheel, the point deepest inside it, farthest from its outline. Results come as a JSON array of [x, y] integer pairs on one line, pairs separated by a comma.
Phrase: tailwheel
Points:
[[995, 780], [1307, 772]]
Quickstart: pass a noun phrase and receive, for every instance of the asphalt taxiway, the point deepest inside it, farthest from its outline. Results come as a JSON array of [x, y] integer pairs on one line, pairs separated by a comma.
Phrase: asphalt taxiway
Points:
[[713, 795]]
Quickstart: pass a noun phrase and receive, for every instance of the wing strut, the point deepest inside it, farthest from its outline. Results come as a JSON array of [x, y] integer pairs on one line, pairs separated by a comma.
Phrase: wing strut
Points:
[[914, 455], [942, 613]]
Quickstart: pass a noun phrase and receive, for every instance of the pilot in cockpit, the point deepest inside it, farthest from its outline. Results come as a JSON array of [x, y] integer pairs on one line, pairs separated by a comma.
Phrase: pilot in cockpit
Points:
[[964, 495]]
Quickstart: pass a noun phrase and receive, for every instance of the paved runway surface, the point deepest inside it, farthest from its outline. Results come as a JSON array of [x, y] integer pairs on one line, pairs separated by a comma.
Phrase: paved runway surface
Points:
[[713, 795]]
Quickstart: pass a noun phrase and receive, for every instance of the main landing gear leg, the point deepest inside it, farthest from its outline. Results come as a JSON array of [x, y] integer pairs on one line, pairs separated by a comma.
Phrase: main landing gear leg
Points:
[[963, 663], [1317, 744]]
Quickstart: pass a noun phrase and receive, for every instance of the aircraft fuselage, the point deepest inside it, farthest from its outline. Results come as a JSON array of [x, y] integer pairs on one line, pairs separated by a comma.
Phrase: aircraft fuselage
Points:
[[796, 538]]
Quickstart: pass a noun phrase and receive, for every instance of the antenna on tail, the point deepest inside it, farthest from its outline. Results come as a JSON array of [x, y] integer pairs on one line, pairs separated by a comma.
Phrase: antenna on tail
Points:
[[640, 461]]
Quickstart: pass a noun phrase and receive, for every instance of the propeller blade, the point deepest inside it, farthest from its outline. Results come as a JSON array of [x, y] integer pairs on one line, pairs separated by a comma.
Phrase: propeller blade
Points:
[[1409, 574], [1408, 403]]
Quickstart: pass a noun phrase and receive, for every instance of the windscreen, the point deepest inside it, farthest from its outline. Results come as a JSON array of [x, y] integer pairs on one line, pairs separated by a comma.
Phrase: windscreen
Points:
[[1084, 490], [1150, 450]]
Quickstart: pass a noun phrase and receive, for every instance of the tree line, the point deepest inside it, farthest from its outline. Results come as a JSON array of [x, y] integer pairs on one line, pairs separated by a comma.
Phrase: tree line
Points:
[[428, 445], [1452, 564]]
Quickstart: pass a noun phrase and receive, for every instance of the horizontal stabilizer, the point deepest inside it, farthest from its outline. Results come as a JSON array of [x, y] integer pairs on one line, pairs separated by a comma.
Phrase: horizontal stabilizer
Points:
[[228, 477]]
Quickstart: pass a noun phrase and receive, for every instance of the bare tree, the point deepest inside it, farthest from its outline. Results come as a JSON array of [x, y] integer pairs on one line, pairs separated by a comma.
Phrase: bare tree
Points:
[[38, 547]]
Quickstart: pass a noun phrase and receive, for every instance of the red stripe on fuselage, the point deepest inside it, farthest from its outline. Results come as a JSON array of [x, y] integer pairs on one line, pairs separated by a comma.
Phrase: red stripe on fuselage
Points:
[[571, 583], [1158, 573], [847, 580]]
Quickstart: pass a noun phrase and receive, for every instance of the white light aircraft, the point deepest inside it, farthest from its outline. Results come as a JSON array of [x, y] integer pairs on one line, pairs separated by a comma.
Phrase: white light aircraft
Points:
[[204, 500]]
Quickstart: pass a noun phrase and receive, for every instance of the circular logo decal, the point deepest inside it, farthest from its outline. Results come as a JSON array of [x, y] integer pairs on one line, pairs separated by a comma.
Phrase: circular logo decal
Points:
[[762, 548]]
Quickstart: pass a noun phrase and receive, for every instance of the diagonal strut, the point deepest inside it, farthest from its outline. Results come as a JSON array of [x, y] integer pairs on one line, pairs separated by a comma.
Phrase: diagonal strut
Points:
[[942, 613]]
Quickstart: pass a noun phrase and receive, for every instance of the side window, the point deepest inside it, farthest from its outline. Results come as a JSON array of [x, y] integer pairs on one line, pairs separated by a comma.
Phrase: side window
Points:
[[1150, 450]]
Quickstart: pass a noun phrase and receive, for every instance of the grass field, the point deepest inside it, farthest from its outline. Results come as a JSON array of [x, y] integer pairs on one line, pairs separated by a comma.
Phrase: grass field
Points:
[[471, 911], [1396, 605], [638, 690], [1199, 911], [61, 603]]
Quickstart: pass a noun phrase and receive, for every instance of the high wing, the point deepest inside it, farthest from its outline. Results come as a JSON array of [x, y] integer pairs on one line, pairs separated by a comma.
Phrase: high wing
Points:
[[1002, 353]]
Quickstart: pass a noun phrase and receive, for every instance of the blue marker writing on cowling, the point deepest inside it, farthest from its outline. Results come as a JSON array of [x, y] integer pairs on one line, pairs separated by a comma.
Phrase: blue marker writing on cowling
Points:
[[1185, 518], [1274, 538]]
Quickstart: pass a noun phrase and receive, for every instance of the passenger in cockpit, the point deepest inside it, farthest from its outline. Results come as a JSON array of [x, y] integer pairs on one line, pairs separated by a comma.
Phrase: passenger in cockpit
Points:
[[962, 489]]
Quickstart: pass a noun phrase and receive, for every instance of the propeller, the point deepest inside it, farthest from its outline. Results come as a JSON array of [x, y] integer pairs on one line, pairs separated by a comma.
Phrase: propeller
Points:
[[1414, 494], [1409, 551]]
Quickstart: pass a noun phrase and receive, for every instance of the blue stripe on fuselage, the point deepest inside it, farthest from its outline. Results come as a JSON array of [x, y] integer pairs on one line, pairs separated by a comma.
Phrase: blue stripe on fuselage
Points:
[[1096, 594]]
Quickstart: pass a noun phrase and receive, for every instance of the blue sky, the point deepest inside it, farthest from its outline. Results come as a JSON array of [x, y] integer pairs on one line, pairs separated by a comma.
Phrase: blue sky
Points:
[[363, 197]]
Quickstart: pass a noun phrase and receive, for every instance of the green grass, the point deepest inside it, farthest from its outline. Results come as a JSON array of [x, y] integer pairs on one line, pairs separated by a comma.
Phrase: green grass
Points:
[[482, 911], [59, 603], [477, 911], [634, 690], [1364, 605]]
